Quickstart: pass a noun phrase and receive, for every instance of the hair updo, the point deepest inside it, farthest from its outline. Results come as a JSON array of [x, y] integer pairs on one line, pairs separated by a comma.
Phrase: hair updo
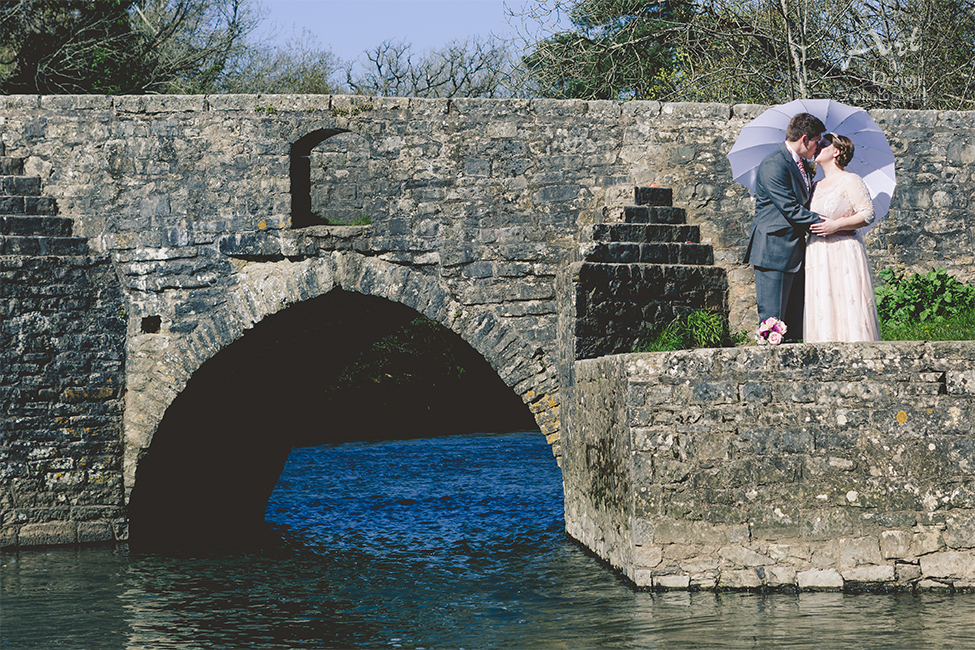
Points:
[[845, 146]]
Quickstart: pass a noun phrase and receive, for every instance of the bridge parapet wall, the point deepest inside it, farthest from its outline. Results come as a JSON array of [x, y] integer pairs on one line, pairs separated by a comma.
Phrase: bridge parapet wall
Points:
[[796, 467], [475, 190]]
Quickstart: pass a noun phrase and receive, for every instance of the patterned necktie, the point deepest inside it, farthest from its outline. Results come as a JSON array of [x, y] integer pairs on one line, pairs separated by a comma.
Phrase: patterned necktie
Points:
[[802, 170]]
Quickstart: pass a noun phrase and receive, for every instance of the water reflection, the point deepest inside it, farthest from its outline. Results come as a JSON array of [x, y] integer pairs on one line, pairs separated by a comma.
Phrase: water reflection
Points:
[[446, 543]]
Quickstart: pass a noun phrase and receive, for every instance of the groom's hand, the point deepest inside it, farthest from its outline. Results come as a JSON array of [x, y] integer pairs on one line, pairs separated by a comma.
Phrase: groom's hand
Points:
[[826, 228], [823, 228]]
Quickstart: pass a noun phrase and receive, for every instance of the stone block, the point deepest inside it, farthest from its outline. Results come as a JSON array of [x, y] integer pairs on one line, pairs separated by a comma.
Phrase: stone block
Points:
[[907, 572], [869, 574], [647, 557], [654, 196], [950, 565], [53, 533], [780, 576], [740, 579], [687, 533], [960, 530], [671, 581], [926, 540], [819, 580], [895, 544], [642, 577], [960, 382], [95, 531], [854, 552]]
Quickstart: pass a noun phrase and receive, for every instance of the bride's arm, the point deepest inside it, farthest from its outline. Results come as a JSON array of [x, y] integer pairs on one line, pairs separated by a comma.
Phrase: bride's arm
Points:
[[856, 192]]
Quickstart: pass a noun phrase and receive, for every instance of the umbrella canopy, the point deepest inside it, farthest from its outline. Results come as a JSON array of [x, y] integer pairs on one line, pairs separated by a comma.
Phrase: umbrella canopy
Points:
[[873, 159]]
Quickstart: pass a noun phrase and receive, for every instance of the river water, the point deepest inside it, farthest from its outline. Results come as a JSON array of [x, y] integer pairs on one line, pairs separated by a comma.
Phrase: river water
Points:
[[452, 542]]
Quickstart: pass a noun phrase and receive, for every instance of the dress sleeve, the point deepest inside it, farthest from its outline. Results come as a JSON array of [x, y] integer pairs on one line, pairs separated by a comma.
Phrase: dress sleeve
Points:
[[859, 197]]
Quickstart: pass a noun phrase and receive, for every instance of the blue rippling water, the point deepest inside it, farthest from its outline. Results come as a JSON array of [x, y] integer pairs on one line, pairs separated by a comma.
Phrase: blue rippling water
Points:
[[450, 542]]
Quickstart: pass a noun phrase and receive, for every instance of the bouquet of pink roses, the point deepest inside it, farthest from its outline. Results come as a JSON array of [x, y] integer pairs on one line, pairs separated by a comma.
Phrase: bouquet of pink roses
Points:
[[771, 332]]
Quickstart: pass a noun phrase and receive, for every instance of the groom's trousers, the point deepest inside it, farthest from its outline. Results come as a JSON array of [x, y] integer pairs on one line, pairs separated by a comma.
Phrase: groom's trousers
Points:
[[781, 295]]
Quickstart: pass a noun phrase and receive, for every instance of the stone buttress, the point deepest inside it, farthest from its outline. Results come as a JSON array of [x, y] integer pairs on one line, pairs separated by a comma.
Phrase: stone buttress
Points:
[[62, 339]]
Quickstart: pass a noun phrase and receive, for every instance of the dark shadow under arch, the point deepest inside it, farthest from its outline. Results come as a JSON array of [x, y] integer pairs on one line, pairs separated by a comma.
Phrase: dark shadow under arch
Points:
[[220, 448], [300, 172]]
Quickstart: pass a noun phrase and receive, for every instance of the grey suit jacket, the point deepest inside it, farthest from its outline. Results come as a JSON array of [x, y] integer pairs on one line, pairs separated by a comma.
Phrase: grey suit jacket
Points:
[[782, 218]]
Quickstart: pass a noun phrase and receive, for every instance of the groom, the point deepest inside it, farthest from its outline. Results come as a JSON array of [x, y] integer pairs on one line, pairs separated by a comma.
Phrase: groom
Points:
[[778, 239]]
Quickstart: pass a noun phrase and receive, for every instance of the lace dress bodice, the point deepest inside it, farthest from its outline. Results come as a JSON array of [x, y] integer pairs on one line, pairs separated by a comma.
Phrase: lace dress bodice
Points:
[[847, 196]]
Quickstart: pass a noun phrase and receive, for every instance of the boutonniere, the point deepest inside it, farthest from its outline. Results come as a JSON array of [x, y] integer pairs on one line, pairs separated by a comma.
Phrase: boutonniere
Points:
[[810, 168]]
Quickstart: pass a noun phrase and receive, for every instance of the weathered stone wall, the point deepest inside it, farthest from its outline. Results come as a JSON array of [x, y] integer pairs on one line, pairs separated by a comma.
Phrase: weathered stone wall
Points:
[[795, 467], [62, 354], [478, 189]]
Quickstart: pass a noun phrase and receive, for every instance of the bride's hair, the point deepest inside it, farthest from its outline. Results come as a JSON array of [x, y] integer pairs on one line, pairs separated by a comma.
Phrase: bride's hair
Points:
[[845, 146]]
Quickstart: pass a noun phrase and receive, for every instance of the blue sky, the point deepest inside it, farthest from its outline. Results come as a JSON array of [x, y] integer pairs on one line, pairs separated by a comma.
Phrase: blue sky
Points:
[[349, 27]]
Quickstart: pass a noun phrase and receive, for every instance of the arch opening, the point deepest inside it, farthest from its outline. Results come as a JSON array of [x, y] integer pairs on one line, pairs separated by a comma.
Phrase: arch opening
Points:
[[340, 367], [302, 215], [337, 178]]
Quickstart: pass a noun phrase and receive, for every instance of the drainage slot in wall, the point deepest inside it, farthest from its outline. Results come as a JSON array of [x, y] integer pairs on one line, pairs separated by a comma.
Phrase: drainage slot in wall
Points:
[[151, 324]]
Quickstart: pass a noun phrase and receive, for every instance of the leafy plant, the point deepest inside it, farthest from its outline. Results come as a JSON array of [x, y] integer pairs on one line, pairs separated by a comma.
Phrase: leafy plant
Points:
[[704, 328], [912, 297]]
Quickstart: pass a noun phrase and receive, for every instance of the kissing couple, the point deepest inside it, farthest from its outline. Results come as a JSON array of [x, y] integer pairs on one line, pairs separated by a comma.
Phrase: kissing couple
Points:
[[811, 268]]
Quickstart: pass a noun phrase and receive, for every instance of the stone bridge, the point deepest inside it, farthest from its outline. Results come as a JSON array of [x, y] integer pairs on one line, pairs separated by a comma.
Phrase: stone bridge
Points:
[[145, 236]]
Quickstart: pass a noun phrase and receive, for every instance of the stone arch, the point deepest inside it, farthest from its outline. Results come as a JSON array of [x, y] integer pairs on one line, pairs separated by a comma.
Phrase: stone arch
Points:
[[161, 365]]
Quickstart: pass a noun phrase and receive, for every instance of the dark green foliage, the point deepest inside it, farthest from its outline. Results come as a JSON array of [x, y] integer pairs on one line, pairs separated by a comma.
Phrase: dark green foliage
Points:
[[936, 295], [72, 46], [423, 379], [394, 358], [704, 328], [119, 46], [621, 49]]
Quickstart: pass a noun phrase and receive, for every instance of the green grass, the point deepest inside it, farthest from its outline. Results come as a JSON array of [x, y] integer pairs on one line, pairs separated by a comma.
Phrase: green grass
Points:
[[704, 328], [960, 327], [361, 221]]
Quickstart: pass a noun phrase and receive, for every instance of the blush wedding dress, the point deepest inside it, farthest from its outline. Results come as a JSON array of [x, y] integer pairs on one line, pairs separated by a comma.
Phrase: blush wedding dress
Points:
[[839, 302]]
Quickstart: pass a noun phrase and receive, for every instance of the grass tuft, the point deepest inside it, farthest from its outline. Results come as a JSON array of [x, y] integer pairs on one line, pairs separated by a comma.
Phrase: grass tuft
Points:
[[704, 328]]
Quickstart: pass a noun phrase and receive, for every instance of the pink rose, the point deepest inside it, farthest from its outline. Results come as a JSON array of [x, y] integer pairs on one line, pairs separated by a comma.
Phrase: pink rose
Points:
[[774, 338]]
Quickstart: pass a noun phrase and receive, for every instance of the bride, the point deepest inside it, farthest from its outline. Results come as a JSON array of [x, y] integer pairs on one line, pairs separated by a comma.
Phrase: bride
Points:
[[839, 295]]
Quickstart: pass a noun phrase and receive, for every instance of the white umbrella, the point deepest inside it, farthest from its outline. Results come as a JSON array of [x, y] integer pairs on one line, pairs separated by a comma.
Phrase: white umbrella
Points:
[[873, 159]]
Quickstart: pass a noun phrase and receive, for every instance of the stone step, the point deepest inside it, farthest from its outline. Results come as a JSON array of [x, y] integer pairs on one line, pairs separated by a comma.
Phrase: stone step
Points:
[[11, 166], [640, 233], [20, 186], [654, 214], [29, 205], [649, 253], [656, 196], [36, 226], [57, 246]]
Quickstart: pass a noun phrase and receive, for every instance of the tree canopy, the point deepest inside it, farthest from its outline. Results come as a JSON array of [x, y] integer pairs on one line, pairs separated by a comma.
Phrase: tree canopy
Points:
[[473, 67], [119, 46], [871, 53], [618, 49]]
